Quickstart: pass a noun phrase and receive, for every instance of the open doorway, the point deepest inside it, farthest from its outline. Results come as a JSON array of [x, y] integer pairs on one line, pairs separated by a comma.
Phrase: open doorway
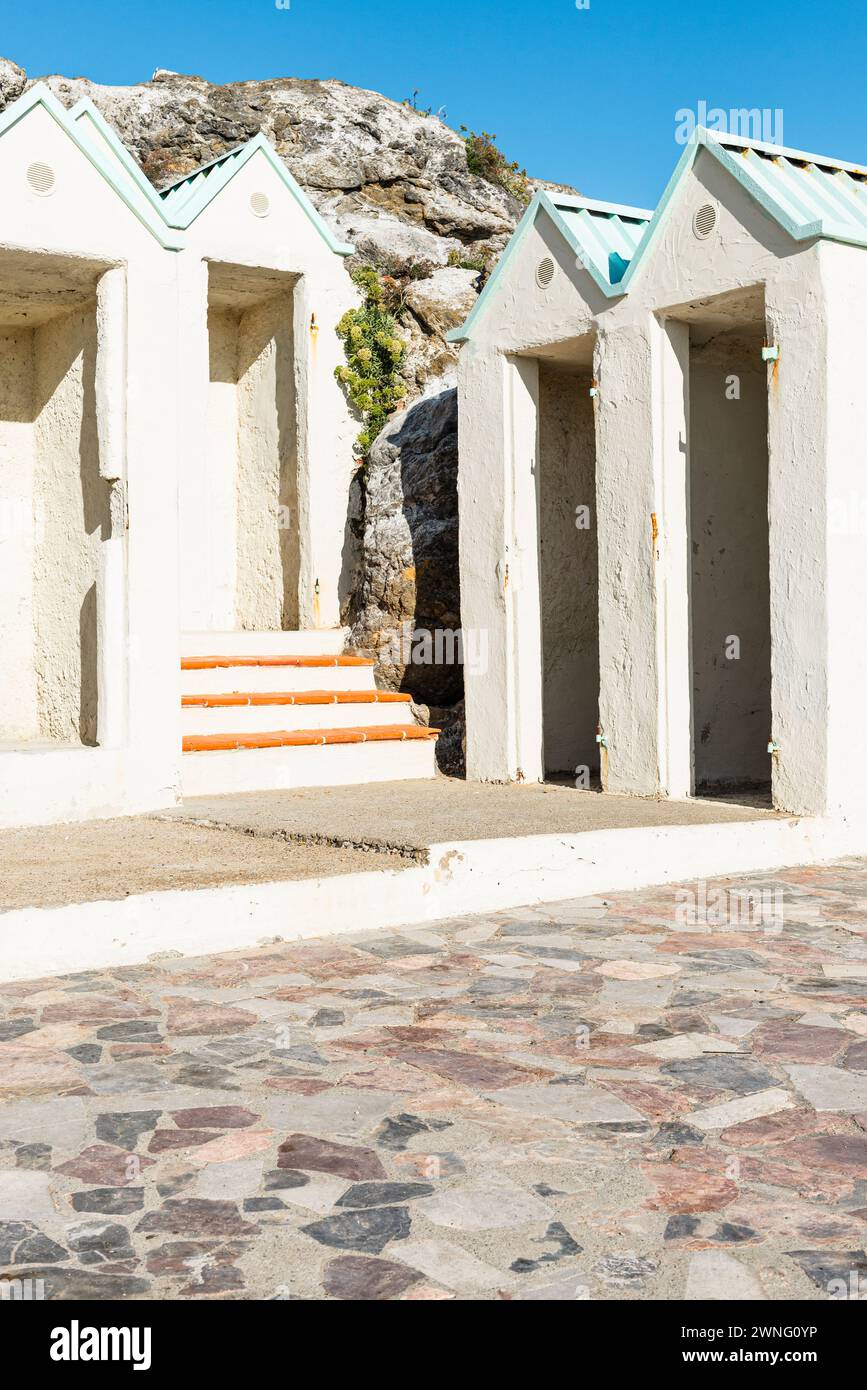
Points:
[[730, 573], [253, 549], [54, 506], [568, 568]]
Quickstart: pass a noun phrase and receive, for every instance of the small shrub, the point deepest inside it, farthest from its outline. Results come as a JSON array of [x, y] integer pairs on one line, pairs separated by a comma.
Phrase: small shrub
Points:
[[477, 263], [373, 349], [412, 104], [489, 162]]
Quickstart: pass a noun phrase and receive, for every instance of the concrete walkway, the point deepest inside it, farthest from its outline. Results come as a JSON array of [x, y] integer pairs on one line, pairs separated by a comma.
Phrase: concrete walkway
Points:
[[48, 866], [409, 816], [267, 837], [651, 1095]]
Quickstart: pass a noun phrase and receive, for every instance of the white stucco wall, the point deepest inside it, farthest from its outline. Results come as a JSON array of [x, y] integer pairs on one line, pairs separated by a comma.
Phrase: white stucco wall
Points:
[[246, 526], [729, 572], [268, 541], [18, 520], [60, 243], [73, 499], [814, 300], [217, 513], [568, 571], [285, 243], [844, 274], [627, 367], [484, 552]]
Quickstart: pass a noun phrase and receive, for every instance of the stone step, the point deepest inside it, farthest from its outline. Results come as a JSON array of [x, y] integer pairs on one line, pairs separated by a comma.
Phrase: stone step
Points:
[[214, 771], [215, 674], [293, 710], [305, 738], [310, 642]]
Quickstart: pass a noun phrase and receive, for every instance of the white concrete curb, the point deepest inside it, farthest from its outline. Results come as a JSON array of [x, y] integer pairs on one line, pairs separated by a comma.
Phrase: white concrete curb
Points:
[[461, 877]]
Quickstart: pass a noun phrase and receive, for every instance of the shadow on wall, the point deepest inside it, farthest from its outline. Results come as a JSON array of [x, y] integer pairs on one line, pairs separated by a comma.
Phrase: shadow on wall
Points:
[[406, 610], [351, 554], [568, 571], [74, 502], [287, 453], [268, 541]]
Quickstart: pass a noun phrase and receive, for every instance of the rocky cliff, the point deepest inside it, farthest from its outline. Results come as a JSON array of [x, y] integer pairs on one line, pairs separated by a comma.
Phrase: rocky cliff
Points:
[[395, 182]]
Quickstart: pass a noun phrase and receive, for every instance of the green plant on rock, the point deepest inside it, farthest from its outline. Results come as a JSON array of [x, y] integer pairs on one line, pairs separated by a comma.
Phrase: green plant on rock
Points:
[[488, 161], [373, 349], [477, 263]]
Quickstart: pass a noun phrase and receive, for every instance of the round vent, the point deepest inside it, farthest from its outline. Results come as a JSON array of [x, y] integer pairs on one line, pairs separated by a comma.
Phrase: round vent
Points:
[[260, 204], [41, 179], [544, 273], [704, 220]]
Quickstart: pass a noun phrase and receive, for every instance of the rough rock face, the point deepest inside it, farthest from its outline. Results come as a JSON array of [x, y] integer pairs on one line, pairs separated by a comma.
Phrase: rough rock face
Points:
[[395, 182], [13, 80], [442, 300], [390, 178], [406, 601], [451, 746]]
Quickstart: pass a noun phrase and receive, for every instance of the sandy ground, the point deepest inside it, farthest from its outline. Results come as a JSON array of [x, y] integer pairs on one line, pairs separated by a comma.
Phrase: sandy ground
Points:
[[47, 866], [263, 837], [409, 816]]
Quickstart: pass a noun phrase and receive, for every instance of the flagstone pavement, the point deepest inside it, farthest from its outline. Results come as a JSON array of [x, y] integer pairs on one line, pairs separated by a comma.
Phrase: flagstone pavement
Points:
[[659, 1094]]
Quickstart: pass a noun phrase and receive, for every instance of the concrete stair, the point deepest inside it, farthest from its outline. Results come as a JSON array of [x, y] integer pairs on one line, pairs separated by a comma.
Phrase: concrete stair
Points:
[[256, 675], [262, 711], [328, 642], [290, 711]]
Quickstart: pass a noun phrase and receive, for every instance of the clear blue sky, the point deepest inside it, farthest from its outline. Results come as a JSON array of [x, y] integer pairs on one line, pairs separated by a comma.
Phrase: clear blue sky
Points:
[[586, 97]]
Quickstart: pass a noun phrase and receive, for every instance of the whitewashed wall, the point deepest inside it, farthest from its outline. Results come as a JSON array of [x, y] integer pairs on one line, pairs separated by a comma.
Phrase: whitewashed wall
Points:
[[80, 232], [285, 244], [814, 302]]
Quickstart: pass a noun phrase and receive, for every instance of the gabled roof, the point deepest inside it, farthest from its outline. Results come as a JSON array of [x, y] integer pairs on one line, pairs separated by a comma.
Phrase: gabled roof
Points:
[[172, 210], [175, 195], [95, 129], [130, 190], [603, 237], [809, 195], [185, 199]]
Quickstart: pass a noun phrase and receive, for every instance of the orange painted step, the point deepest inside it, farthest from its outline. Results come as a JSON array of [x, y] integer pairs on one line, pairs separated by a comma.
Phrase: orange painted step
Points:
[[304, 738], [297, 697], [211, 663]]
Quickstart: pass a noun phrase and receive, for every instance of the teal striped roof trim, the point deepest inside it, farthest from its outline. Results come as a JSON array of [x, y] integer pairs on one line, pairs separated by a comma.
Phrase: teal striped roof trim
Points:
[[130, 189], [184, 200], [602, 236], [168, 213], [605, 236], [809, 195], [177, 195], [93, 128]]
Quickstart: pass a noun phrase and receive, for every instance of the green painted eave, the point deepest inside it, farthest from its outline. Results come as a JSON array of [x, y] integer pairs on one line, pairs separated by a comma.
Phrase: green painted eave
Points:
[[185, 200], [810, 196], [599, 235], [129, 190], [169, 213]]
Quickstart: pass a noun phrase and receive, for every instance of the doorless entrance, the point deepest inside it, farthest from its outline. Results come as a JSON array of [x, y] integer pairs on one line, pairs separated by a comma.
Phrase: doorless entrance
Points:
[[730, 584]]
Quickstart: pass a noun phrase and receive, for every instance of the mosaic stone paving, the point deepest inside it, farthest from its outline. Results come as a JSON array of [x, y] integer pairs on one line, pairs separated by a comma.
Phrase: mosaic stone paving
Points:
[[652, 1095]]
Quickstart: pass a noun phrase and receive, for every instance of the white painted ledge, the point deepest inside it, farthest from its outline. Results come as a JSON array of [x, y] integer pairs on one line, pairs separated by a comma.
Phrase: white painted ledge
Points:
[[224, 773], [462, 877], [307, 642]]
